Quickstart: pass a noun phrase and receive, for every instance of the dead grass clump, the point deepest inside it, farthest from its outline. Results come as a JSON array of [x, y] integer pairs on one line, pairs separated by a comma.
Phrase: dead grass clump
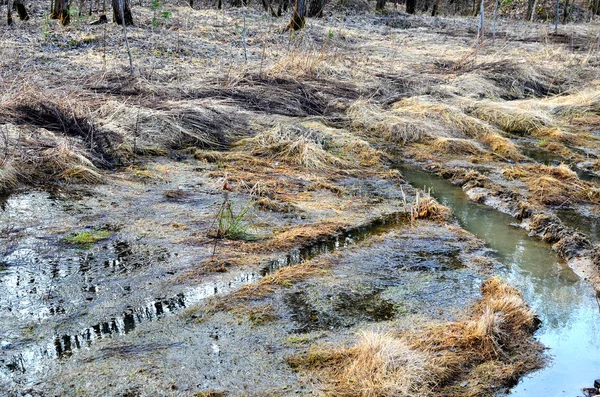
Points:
[[303, 63], [426, 207], [382, 365], [69, 164], [64, 117], [509, 118], [457, 146], [43, 157], [301, 235], [549, 228], [516, 80], [554, 185], [313, 146], [557, 148], [9, 176], [548, 190], [502, 146], [436, 358], [502, 297], [277, 94], [574, 106], [571, 246], [177, 126], [210, 156], [294, 144], [388, 125]]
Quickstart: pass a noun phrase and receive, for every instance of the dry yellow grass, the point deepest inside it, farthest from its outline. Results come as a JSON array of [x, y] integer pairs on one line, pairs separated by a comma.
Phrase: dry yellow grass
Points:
[[313, 146], [554, 185], [456, 146], [426, 207], [9, 176], [510, 118], [369, 118], [435, 359]]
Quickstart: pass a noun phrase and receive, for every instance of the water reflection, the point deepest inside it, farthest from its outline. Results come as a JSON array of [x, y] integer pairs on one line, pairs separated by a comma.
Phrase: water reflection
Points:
[[38, 275], [566, 305]]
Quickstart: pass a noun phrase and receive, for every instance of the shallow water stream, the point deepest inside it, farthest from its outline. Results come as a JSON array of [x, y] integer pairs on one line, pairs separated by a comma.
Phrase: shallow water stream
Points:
[[567, 306]]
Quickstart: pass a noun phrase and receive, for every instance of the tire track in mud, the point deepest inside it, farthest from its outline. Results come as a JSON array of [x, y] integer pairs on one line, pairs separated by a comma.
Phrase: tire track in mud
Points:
[[33, 359]]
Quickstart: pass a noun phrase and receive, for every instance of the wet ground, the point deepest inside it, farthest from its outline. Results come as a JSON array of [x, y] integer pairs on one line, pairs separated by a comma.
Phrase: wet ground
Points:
[[60, 296], [566, 304]]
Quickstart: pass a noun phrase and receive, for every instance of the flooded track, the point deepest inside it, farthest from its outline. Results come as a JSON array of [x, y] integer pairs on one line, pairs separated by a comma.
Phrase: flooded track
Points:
[[567, 305]]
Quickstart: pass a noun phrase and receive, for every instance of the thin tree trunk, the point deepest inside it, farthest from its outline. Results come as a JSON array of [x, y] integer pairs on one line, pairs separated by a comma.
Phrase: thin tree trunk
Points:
[[268, 6], [495, 14], [529, 9], [122, 12], [410, 6], [434, 9], [556, 16], [565, 14], [298, 20], [60, 11], [533, 11], [380, 6], [21, 10], [9, 19], [315, 8], [481, 29], [124, 23]]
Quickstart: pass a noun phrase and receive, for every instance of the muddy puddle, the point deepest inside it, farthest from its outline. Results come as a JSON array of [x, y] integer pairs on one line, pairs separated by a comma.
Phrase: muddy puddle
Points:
[[56, 298], [567, 305]]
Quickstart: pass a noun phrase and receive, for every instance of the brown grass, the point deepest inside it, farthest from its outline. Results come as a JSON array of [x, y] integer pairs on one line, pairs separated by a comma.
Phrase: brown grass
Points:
[[313, 146], [554, 185], [510, 118], [457, 146], [494, 343], [426, 207]]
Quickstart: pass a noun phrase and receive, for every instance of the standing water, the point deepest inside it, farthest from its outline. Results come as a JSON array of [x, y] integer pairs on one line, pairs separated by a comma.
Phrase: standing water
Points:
[[566, 304]]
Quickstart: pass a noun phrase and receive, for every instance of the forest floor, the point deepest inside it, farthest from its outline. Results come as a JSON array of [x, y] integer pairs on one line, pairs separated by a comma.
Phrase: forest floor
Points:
[[255, 198]]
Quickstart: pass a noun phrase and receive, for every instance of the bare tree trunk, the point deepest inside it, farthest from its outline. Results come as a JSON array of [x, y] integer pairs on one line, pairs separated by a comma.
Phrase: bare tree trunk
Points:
[[529, 9], [556, 16], [21, 10], [380, 6], [315, 8], [410, 6], [495, 14], [481, 28], [565, 15], [434, 9], [121, 5], [533, 11], [268, 6], [9, 19], [60, 11], [122, 14], [298, 20]]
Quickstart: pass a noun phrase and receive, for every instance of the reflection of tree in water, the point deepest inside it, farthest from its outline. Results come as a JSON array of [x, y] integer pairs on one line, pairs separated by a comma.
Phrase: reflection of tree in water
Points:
[[65, 344]]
